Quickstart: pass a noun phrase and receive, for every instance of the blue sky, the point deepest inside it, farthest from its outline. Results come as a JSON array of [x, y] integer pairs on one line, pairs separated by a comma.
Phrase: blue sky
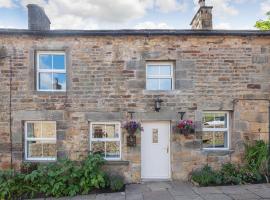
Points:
[[129, 14]]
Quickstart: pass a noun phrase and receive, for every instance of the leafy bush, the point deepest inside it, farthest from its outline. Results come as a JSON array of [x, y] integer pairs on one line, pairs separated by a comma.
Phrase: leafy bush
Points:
[[230, 174], [64, 178], [93, 176], [116, 183], [257, 156], [206, 176], [255, 169]]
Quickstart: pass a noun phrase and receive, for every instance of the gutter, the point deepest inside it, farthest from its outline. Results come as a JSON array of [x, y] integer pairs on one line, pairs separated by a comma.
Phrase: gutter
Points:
[[132, 32]]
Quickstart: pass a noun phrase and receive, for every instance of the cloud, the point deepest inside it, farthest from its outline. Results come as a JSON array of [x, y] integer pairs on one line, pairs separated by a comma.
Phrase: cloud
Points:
[[92, 14], [223, 25], [265, 6], [152, 25], [6, 4], [222, 8], [170, 5]]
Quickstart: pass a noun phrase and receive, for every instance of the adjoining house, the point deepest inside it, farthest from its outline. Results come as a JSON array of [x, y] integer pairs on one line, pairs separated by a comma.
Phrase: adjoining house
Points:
[[67, 92]]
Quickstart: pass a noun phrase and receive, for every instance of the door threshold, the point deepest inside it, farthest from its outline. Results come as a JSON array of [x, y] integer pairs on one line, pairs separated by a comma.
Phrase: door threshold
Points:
[[145, 180]]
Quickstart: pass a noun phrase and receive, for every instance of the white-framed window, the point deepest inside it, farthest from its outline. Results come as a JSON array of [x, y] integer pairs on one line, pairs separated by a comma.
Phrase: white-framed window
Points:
[[51, 71], [105, 138], [216, 130], [159, 76], [40, 140]]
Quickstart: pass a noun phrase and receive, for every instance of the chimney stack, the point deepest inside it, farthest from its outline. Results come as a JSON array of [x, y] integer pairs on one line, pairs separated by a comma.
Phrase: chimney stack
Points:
[[37, 18], [203, 18]]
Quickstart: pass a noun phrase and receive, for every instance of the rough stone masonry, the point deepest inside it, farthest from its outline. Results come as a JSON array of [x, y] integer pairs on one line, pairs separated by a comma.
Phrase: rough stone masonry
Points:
[[106, 70]]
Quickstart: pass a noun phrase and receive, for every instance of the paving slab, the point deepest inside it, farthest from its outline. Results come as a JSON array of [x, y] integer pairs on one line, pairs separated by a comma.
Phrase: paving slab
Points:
[[247, 196], [207, 190], [157, 195], [261, 190], [134, 196], [158, 186], [136, 188], [112, 196], [190, 197], [234, 190], [216, 197]]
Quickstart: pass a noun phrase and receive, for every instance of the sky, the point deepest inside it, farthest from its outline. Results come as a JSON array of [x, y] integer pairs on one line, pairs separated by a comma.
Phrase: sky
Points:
[[134, 14]]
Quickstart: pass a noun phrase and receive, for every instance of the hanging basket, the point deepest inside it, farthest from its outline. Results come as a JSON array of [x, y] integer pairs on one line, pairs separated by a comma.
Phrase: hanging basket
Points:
[[186, 132], [131, 140]]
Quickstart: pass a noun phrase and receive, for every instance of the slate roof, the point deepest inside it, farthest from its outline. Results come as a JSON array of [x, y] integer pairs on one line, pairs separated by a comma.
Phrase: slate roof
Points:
[[129, 32]]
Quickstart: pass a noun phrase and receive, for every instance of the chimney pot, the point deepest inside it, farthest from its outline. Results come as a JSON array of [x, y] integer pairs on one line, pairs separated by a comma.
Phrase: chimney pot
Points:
[[37, 18], [202, 3]]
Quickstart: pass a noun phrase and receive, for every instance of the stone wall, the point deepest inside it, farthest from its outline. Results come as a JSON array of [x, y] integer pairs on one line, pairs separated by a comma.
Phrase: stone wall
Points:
[[106, 78], [5, 156]]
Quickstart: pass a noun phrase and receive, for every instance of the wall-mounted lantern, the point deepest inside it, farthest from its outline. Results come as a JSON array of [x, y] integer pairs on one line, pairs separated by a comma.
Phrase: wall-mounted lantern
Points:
[[158, 102], [181, 114]]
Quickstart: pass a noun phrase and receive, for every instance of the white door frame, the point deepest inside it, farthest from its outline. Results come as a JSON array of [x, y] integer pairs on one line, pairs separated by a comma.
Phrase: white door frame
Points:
[[169, 146]]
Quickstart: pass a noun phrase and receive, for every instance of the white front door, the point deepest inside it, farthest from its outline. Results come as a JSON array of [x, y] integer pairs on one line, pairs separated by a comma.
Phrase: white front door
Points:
[[155, 150]]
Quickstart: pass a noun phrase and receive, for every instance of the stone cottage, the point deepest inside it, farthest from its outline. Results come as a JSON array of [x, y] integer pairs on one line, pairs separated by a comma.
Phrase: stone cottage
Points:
[[65, 93]]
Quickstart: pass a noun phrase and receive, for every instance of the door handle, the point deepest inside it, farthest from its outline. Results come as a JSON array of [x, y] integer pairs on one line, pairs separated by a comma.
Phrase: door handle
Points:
[[167, 149]]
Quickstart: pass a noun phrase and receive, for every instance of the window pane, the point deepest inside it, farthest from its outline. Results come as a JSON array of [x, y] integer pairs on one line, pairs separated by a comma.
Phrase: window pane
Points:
[[58, 62], [45, 61], [45, 81], [98, 131], [49, 149], [49, 130], [112, 131], [208, 140], [208, 120], [34, 130], [165, 84], [59, 81], [98, 147], [112, 149], [165, 70], [152, 84], [220, 139], [220, 120], [152, 70], [34, 149]]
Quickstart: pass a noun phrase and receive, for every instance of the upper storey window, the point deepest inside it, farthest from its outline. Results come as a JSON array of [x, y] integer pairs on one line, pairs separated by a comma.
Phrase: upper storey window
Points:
[[159, 76], [51, 71]]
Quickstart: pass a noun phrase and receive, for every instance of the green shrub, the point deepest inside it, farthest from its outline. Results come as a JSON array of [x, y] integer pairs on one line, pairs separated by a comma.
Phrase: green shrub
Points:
[[206, 176], [93, 176], [257, 156], [249, 175], [64, 178], [116, 183], [255, 169]]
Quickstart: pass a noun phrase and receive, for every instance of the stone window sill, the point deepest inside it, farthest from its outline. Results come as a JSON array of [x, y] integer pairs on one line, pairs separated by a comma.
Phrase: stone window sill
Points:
[[53, 93], [39, 161], [117, 162], [217, 152], [159, 91]]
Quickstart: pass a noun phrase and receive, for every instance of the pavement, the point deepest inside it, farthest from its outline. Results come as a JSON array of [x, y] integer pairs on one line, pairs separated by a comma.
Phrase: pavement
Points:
[[182, 191]]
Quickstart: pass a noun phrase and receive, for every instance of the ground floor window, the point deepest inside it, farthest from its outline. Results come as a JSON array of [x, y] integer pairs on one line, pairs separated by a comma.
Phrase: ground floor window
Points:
[[215, 130], [40, 140], [105, 138]]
